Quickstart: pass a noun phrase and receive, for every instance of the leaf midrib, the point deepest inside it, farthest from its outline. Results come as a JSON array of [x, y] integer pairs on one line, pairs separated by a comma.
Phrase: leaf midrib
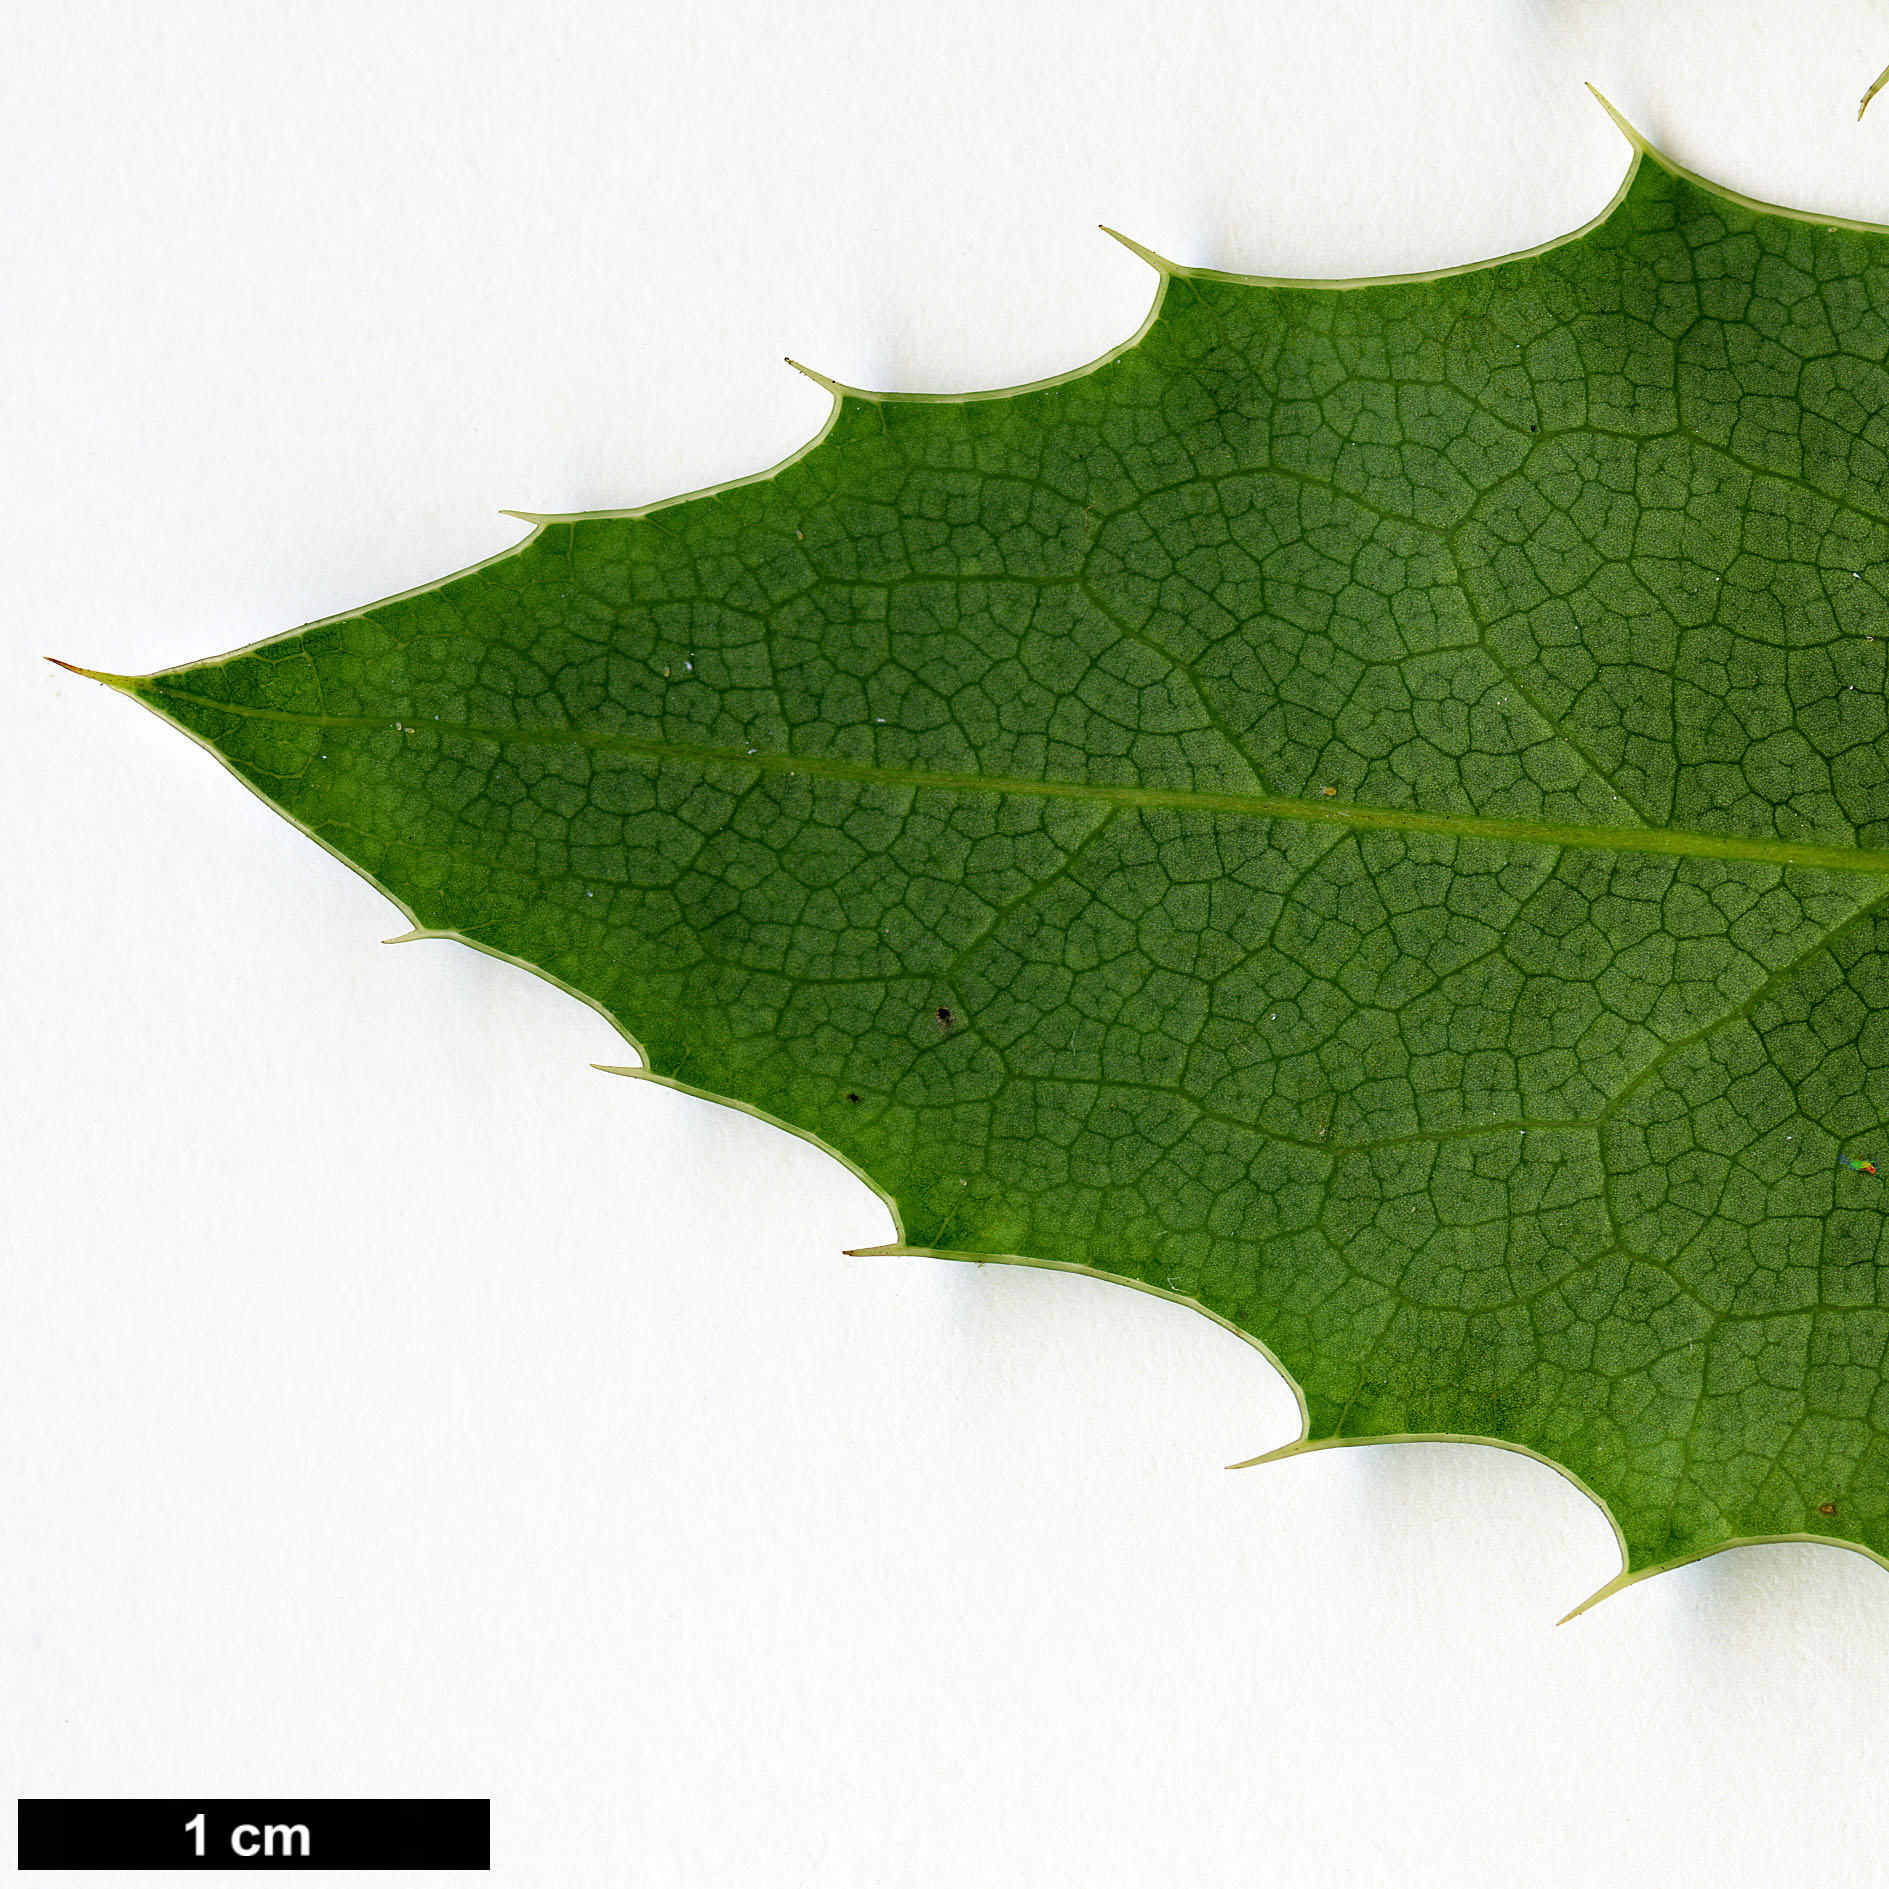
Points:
[[1670, 841]]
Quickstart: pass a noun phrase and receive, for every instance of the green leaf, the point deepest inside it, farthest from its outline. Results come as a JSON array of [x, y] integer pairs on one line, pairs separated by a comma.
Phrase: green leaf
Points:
[[1365, 811]]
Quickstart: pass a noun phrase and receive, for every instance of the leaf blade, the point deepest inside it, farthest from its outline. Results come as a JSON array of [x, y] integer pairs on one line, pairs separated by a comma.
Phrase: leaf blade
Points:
[[1291, 816]]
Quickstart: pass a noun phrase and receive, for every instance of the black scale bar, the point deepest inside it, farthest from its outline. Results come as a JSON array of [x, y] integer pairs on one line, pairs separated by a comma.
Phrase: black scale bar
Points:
[[255, 1833]]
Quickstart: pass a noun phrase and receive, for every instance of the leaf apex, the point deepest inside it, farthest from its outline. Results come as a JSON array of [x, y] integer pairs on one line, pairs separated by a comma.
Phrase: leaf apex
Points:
[[96, 675], [1300, 1446], [1158, 263], [1625, 1578], [838, 389], [1627, 131]]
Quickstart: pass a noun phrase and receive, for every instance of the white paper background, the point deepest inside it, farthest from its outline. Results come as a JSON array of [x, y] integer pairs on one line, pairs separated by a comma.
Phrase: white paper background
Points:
[[392, 1405]]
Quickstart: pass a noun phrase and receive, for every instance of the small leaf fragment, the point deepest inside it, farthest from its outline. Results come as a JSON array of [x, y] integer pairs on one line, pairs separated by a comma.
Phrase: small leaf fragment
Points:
[[1882, 79]]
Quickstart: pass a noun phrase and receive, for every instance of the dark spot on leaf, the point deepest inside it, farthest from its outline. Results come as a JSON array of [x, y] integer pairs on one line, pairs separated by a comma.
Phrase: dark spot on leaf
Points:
[[945, 1018], [852, 1098], [1826, 1508]]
